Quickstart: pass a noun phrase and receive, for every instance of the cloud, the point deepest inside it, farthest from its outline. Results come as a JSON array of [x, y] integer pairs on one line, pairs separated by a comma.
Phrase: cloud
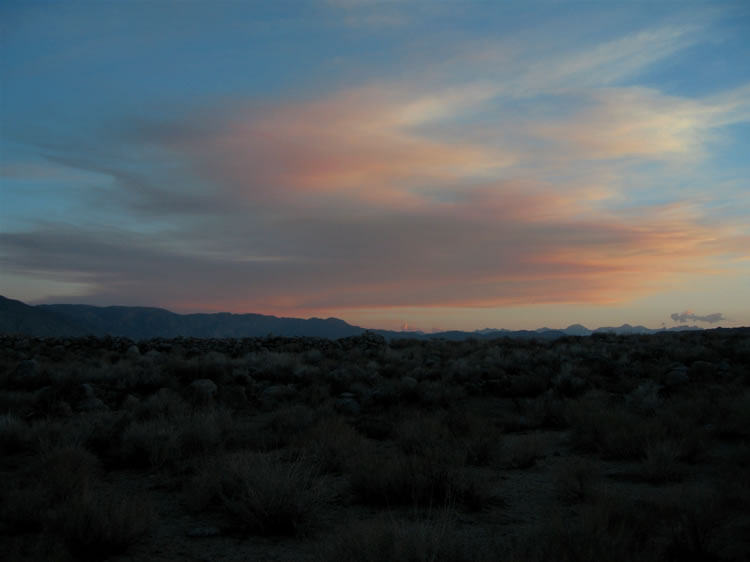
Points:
[[361, 143], [688, 316], [428, 191], [642, 122]]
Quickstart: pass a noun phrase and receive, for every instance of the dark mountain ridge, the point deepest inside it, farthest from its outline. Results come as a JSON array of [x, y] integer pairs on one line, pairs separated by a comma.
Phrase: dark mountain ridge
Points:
[[137, 322]]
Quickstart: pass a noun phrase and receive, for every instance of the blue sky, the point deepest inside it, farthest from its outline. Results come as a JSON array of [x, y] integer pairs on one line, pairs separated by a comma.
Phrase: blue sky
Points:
[[440, 164]]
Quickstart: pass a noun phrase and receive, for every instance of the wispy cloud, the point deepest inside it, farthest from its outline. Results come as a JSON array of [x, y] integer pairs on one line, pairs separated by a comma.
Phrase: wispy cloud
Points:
[[689, 316]]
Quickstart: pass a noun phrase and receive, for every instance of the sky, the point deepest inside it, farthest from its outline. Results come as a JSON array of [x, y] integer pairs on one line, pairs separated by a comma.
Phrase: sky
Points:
[[400, 164]]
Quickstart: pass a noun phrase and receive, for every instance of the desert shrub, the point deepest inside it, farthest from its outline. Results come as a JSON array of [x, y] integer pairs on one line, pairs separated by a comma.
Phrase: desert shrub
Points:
[[522, 452], [526, 385], [151, 443], [435, 394], [661, 461], [17, 403], [375, 427], [735, 422], [333, 444], [94, 527], [15, 434], [212, 366], [572, 381], [200, 434], [275, 366], [608, 529], [646, 398], [101, 432], [402, 479], [23, 509], [609, 429], [577, 481], [245, 433], [385, 540], [272, 497], [285, 425], [66, 472], [694, 521], [479, 441], [142, 376], [48, 434], [550, 411], [165, 403], [426, 436]]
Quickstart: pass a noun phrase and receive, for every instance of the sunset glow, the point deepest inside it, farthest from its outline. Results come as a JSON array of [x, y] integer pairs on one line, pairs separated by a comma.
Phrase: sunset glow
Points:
[[451, 165]]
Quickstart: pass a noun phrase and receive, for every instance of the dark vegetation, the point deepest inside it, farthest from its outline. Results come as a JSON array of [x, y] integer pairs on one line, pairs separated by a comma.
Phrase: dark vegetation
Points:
[[579, 449]]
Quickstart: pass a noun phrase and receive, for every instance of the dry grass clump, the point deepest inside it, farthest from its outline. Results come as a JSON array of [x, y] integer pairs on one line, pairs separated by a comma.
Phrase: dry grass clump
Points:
[[410, 479], [162, 442], [661, 462], [480, 441], [151, 443], [735, 421], [203, 433], [609, 528], [285, 425], [66, 472], [15, 434], [22, 509], [386, 540], [696, 527], [333, 444], [95, 527], [165, 403], [55, 477], [609, 429], [264, 494], [426, 436]]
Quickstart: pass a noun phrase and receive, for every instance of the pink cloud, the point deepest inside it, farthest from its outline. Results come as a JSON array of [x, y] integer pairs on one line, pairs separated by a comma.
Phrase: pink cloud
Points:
[[363, 208], [360, 144]]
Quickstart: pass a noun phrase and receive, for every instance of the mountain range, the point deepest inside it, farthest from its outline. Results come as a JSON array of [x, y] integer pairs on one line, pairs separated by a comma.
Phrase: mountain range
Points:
[[138, 322]]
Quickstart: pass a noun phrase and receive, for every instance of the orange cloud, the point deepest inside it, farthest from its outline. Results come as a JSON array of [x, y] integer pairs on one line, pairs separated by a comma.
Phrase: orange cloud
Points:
[[362, 144]]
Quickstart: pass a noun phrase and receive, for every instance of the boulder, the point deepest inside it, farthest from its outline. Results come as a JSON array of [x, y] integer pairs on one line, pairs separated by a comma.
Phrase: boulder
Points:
[[347, 406]]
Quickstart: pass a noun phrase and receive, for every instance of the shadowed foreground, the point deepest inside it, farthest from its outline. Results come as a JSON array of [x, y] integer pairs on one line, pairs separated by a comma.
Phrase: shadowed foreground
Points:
[[598, 448]]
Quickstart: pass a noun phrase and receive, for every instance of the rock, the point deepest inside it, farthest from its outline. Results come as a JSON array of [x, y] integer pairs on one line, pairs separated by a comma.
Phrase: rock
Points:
[[27, 368], [233, 396], [347, 406], [130, 403], [676, 377], [203, 532], [278, 392], [409, 382], [133, 351], [702, 370], [62, 409], [203, 390], [91, 405], [45, 397], [88, 391]]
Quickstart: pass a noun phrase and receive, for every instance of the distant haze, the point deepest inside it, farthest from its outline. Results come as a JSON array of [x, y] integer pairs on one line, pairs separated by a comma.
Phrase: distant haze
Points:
[[437, 165]]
